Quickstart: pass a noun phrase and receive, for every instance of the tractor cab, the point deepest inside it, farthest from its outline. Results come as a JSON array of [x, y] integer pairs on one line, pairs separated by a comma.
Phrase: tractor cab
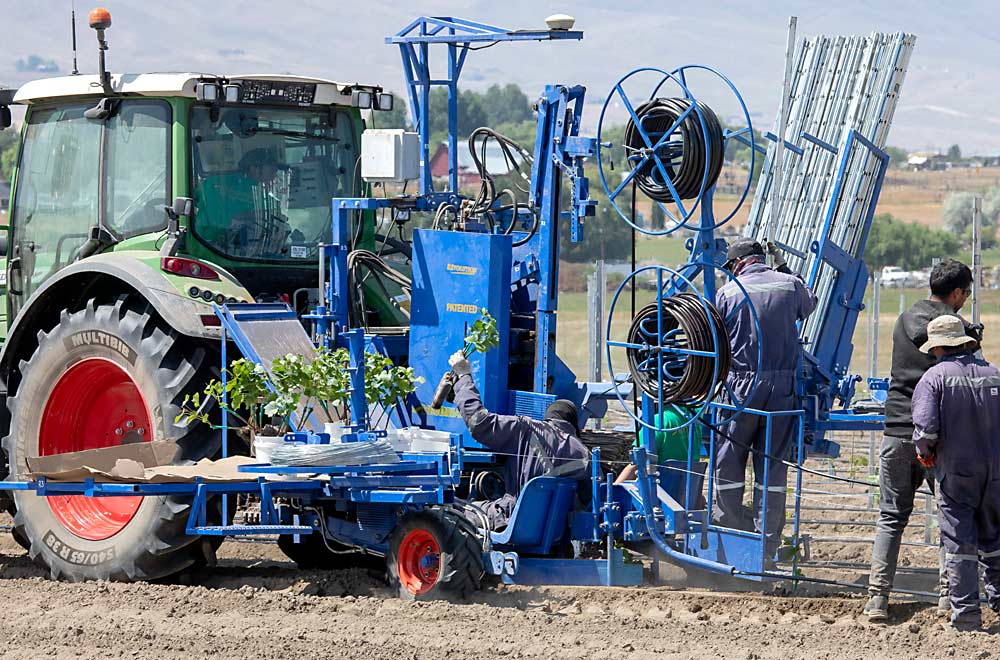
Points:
[[260, 156]]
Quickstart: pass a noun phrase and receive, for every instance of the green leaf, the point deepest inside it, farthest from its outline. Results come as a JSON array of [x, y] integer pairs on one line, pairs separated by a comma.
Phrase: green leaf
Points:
[[483, 335]]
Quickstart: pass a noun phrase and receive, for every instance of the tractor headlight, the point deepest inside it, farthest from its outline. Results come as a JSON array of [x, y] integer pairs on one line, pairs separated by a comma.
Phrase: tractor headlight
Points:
[[207, 92], [361, 99]]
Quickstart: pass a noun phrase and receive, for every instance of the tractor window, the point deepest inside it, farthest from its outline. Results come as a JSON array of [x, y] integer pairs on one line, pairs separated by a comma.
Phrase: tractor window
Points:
[[138, 166], [263, 178], [56, 202]]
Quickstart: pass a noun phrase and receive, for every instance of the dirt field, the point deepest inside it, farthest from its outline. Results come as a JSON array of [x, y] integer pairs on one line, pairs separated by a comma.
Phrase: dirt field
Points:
[[256, 604], [266, 609]]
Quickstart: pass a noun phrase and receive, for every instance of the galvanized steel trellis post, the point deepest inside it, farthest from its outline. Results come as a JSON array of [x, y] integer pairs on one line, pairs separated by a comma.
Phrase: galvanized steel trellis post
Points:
[[839, 84]]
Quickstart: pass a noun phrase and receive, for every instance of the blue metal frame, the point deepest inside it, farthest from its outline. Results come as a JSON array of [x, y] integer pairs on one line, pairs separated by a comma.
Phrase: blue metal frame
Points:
[[651, 508], [457, 35], [822, 376], [826, 380]]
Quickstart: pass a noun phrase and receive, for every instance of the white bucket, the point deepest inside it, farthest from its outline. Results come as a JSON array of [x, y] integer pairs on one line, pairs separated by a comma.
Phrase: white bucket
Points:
[[335, 430], [263, 445]]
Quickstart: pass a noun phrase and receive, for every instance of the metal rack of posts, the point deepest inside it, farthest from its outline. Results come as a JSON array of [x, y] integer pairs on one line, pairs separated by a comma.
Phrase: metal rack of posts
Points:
[[840, 86]]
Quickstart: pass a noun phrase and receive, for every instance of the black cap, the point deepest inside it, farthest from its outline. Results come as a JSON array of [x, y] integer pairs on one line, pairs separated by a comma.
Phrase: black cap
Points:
[[563, 410], [743, 248]]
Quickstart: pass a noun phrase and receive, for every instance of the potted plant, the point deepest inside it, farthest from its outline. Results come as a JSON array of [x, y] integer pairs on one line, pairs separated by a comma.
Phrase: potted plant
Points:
[[266, 405]]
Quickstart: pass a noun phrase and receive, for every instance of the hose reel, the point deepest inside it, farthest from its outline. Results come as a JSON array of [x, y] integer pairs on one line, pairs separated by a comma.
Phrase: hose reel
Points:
[[678, 156], [674, 146], [679, 323], [677, 348]]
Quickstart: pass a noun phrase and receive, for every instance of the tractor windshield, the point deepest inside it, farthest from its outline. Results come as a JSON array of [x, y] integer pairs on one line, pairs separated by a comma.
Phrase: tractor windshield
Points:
[[263, 178]]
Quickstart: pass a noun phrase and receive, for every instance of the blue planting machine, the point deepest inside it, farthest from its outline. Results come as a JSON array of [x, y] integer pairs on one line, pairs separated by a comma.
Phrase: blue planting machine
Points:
[[416, 513]]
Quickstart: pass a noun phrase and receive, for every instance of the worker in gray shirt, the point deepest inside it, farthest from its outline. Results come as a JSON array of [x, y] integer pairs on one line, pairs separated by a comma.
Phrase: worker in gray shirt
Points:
[[900, 474], [956, 414], [533, 447], [780, 300]]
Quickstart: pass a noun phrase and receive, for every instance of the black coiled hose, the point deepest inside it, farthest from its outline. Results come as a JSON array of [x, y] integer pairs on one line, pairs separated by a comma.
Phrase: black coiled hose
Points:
[[686, 323], [683, 154]]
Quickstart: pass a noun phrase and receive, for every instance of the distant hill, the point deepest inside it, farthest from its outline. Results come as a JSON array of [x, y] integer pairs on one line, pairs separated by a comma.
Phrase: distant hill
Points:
[[951, 93]]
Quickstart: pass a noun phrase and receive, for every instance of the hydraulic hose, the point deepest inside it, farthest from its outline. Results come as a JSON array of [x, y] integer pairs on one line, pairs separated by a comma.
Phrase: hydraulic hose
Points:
[[515, 157], [686, 322], [683, 153], [377, 266]]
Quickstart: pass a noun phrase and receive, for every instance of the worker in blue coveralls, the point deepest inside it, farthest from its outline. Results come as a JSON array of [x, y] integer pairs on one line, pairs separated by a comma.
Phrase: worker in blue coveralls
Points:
[[956, 417], [534, 448], [780, 300]]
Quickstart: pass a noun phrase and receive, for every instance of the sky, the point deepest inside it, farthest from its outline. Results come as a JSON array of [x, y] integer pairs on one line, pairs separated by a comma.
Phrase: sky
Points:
[[951, 94]]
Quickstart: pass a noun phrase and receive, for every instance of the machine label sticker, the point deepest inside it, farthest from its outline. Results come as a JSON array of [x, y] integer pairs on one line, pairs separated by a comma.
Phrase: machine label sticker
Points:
[[300, 252], [994, 391], [444, 411], [462, 270], [74, 556], [92, 337], [462, 308]]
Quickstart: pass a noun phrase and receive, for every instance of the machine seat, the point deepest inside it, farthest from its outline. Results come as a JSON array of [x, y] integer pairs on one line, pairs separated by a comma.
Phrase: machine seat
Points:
[[539, 517]]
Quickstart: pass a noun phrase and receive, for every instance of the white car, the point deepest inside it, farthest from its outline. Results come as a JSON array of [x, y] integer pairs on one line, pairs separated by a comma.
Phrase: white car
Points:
[[896, 277]]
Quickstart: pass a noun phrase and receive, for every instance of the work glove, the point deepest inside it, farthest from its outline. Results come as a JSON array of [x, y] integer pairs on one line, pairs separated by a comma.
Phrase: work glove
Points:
[[777, 259], [927, 460], [460, 364]]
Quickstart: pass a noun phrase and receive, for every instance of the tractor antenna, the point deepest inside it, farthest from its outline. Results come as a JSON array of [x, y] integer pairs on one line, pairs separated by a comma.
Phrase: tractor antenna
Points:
[[72, 21], [100, 20]]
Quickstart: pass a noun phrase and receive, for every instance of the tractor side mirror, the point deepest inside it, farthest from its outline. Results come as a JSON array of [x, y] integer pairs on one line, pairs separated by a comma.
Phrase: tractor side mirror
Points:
[[3, 244], [6, 99], [361, 99], [181, 208]]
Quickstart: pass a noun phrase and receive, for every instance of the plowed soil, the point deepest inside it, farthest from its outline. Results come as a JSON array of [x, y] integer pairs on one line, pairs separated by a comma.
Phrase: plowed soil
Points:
[[257, 605]]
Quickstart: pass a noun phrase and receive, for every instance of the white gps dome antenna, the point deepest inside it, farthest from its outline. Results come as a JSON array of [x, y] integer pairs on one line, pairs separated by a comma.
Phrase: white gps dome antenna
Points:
[[560, 22]]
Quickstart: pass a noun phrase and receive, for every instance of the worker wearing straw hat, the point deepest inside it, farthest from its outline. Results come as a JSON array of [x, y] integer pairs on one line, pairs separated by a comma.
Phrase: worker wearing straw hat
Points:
[[956, 414]]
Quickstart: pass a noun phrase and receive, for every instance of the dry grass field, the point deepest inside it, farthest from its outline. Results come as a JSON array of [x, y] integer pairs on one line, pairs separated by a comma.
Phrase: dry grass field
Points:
[[919, 196]]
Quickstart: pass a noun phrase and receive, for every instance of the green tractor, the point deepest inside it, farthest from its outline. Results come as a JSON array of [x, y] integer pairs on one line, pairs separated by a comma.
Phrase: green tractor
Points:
[[138, 202]]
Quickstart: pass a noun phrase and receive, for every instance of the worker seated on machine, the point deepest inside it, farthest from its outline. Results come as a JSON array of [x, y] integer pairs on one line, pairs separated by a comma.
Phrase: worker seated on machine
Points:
[[534, 448]]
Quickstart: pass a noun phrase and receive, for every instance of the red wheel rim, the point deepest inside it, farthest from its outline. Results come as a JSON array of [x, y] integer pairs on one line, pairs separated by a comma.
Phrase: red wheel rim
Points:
[[419, 561], [95, 404]]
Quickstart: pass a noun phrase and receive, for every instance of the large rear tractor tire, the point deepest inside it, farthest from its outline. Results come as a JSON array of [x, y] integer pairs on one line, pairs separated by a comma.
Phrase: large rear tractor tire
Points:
[[109, 374], [433, 555]]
